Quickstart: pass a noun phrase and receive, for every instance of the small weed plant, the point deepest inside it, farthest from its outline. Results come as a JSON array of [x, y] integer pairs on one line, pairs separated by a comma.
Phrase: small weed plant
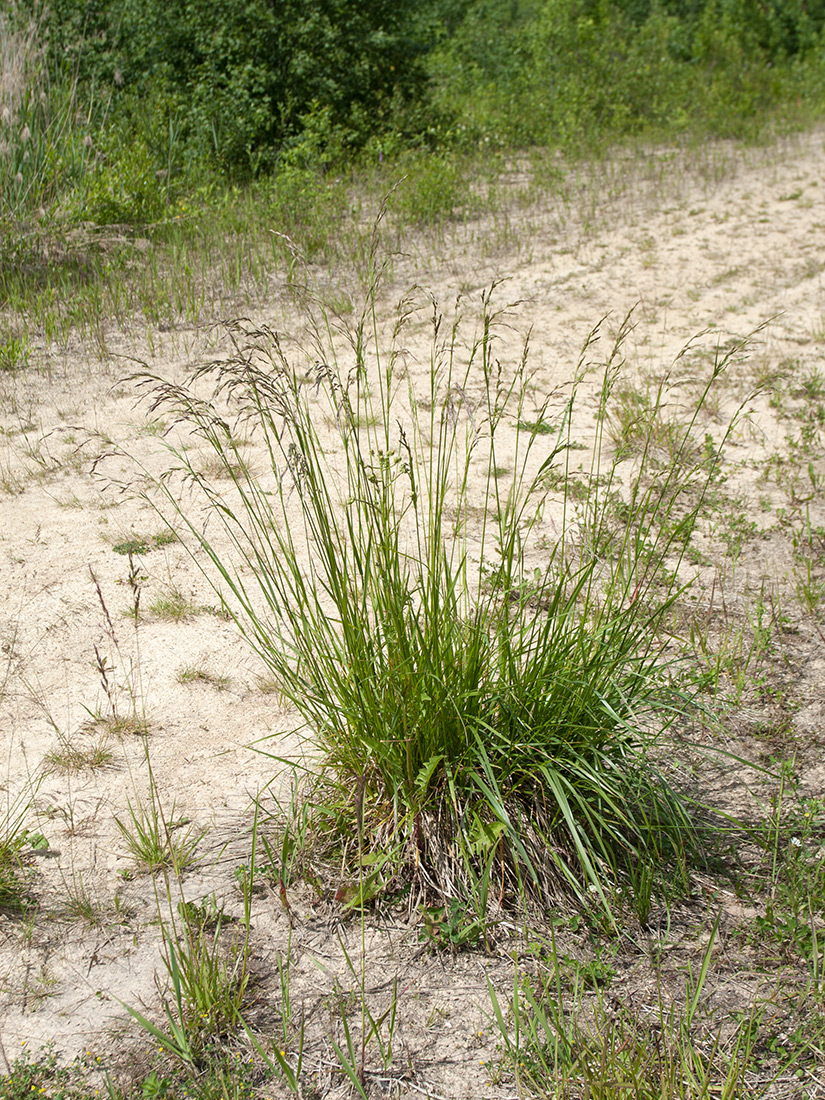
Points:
[[209, 977], [43, 1074], [482, 659]]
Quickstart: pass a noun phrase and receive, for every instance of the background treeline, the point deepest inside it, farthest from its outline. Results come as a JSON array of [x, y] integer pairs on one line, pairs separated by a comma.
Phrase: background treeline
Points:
[[113, 106]]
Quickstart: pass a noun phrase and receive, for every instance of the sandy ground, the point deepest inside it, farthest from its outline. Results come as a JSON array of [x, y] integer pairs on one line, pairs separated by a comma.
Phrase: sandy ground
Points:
[[726, 243]]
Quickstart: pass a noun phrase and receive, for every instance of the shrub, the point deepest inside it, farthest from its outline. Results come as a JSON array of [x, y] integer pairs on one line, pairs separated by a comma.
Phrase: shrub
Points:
[[243, 73], [576, 72], [126, 185]]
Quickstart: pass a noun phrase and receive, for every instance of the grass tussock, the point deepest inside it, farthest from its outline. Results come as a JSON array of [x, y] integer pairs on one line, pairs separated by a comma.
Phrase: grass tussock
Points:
[[485, 699]]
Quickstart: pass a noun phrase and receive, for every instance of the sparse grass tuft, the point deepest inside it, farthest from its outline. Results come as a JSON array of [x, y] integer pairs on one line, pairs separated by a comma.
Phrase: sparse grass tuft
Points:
[[81, 904], [117, 725], [74, 757], [267, 685], [173, 607], [144, 544], [126, 725], [155, 839], [198, 674]]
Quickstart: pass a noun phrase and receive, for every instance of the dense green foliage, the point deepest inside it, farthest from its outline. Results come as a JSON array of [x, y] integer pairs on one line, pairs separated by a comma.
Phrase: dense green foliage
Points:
[[568, 72], [234, 80], [112, 109]]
